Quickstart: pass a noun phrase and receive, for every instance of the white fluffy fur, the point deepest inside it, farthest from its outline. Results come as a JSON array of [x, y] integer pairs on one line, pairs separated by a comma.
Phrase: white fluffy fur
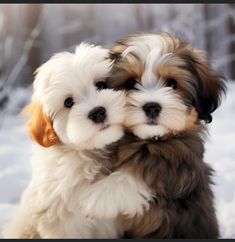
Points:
[[49, 206], [117, 193], [63, 173]]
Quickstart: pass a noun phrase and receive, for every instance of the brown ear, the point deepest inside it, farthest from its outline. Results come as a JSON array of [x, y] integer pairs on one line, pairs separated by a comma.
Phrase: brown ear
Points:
[[211, 87], [40, 125]]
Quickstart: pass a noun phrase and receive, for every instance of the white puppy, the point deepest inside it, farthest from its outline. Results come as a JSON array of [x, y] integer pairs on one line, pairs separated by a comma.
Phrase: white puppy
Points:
[[73, 117]]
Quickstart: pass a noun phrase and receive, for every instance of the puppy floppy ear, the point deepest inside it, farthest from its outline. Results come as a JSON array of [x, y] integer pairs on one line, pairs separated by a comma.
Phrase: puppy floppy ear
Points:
[[40, 125], [210, 89]]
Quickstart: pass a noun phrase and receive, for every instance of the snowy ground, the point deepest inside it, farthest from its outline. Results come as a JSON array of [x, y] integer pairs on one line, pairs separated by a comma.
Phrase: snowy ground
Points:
[[15, 169]]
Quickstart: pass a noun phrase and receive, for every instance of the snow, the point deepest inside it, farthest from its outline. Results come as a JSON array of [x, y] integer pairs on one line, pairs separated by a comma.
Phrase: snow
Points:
[[15, 151], [220, 153]]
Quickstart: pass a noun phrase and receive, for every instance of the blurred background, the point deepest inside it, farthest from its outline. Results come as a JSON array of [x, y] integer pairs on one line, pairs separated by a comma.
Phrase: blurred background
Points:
[[31, 33]]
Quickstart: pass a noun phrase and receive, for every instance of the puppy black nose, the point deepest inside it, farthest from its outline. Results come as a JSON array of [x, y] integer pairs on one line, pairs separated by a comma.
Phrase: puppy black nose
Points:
[[152, 109], [97, 115]]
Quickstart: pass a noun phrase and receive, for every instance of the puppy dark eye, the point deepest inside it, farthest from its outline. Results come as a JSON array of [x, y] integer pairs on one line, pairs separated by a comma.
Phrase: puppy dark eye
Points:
[[101, 85], [171, 83], [130, 84], [68, 102]]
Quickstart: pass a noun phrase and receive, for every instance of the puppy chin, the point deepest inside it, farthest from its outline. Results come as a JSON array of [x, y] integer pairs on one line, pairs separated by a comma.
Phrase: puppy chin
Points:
[[108, 136], [104, 137], [145, 131]]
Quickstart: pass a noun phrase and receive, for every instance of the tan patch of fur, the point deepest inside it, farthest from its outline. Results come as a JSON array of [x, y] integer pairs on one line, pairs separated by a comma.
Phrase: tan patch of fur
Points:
[[165, 72], [134, 66], [192, 121], [131, 67], [40, 125], [119, 48], [173, 43]]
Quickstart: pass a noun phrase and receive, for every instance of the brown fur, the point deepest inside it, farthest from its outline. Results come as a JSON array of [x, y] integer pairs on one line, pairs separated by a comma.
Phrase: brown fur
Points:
[[174, 170], [40, 125], [172, 166]]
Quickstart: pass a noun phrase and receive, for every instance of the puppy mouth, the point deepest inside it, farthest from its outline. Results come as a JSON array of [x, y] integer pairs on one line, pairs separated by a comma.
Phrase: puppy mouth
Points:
[[103, 126], [149, 122], [152, 122]]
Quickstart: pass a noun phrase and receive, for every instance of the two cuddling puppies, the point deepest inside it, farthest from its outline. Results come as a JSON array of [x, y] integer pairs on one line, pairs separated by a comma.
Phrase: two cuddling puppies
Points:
[[90, 180]]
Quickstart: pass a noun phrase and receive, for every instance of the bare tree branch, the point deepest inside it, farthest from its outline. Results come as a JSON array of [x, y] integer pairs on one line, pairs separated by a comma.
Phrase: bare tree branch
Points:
[[8, 84], [26, 50]]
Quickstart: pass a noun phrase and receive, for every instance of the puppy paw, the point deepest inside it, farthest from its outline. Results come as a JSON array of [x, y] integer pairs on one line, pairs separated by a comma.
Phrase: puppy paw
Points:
[[120, 193]]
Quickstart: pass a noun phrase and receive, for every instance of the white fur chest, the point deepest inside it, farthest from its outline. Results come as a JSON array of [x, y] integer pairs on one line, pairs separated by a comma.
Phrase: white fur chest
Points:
[[59, 178]]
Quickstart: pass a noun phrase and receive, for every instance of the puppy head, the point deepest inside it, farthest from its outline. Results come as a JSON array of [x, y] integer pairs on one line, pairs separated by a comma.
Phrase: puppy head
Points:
[[71, 104], [170, 86]]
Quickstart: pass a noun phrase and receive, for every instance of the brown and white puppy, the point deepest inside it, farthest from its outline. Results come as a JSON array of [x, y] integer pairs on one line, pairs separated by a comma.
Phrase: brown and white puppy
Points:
[[171, 91]]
